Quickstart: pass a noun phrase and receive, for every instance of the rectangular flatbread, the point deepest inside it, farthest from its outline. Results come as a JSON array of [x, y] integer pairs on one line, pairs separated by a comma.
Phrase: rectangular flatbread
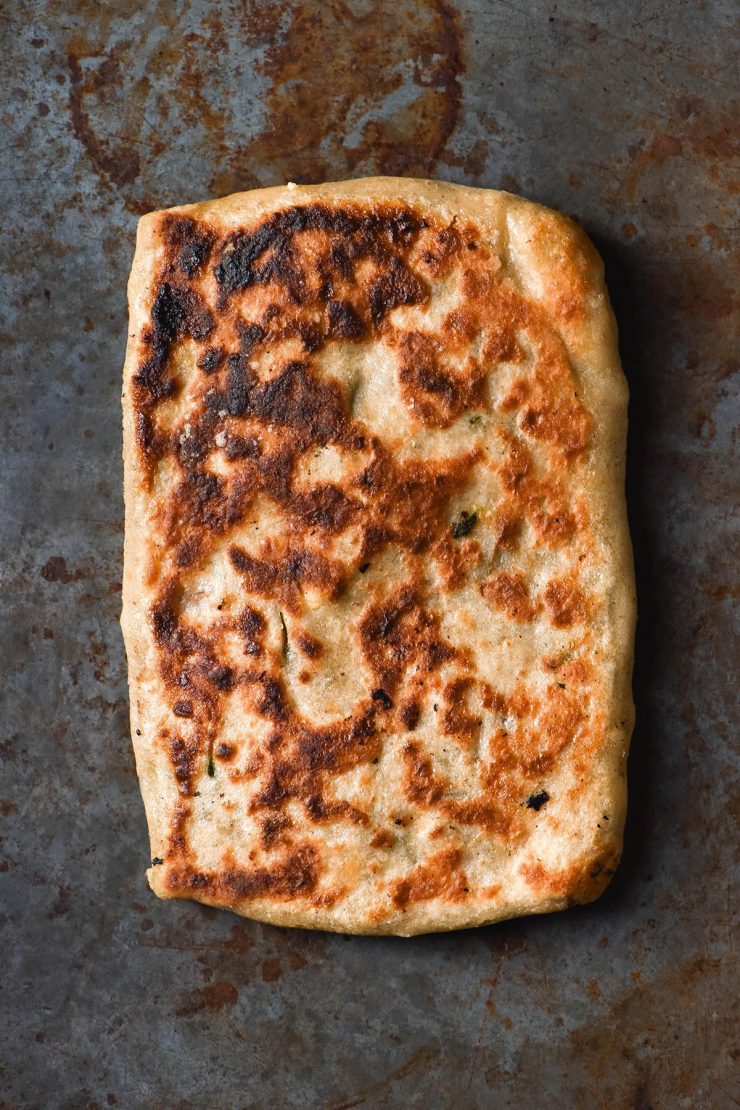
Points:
[[378, 592]]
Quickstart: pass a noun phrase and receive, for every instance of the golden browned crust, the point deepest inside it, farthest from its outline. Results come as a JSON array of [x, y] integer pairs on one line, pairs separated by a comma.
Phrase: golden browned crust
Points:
[[378, 594]]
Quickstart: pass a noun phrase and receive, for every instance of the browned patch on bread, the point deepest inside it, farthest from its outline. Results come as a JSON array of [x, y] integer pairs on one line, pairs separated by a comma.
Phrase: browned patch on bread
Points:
[[457, 720], [559, 722], [308, 644], [509, 592], [566, 603], [427, 789], [399, 633], [295, 875], [442, 877], [435, 394], [582, 881], [284, 573]]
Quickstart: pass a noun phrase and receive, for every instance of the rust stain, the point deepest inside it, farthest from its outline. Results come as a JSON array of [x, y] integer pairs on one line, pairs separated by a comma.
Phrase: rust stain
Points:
[[696, 134], [241, 939], [338, 120], [387, 103], [642, 157], [271, 971], [341, 119], [55, 569], [121, 164], [676, 1069], [62, 904], [505, 941], [213, 998], [249, 954], [426, 1056], [474, 162], [705, 292]]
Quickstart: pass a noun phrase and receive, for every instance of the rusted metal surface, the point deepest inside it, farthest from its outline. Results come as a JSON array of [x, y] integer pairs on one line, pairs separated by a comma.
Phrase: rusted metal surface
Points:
[[622, 114]]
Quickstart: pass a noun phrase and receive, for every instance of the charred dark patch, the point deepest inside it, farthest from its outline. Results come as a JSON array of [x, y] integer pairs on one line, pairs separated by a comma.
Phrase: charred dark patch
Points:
[[286, 575], [398, 286], [165, 623], [536, 801], [344, 322], [423, 787], [271, 701], [201, 500], [311, 336], [440, 878], [178, 311], [188, 551], [273, 827], [410, 502], [456, 719], [221, 677], [211, 359], [242, 447], [296, 399], [238, 385], [265, 254], [321, 810], [184, 758], [192, 446], [309, 645], [150, 378], [410, 714], [295, 876], [250, 337], [435, 394], [189, 242], [327, 507], [252, 626], [399, 633]]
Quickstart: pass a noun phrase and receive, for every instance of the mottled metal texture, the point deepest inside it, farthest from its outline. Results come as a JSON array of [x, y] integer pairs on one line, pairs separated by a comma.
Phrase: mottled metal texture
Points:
[[622, 114]]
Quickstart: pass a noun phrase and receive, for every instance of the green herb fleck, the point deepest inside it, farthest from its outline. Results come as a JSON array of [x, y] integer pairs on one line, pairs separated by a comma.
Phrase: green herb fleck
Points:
[[464, 524], [475, 418]]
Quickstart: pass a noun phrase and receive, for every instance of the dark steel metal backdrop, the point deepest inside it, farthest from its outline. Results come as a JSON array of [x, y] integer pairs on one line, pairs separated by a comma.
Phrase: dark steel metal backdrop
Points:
[[622, 113]]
